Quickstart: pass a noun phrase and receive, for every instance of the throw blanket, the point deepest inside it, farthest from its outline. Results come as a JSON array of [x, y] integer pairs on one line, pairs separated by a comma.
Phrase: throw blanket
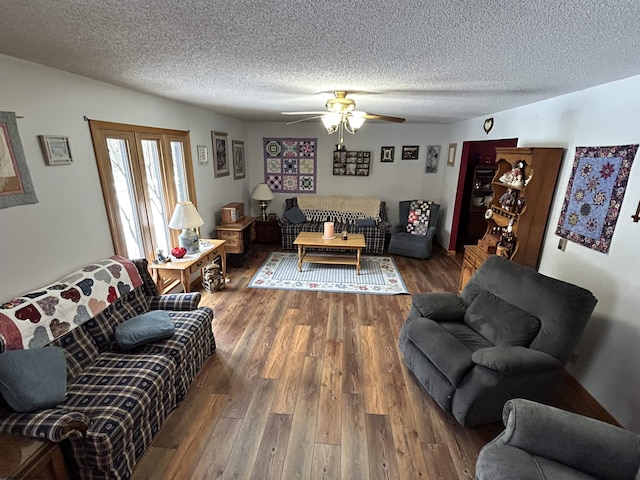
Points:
[[341, 208], [418, 221], [35, 319]]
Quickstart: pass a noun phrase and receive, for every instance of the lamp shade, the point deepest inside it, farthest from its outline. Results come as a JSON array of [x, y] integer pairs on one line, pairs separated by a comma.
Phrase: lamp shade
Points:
[[263, 192], [185, 216]]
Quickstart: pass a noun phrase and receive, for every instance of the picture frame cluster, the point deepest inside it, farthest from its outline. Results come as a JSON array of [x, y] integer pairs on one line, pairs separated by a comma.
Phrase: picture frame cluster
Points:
[[221, 163]]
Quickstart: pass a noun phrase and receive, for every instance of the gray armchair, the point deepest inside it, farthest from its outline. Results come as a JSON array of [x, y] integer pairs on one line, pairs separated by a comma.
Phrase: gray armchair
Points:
[[407, 244], [509, 334], [545, 442]]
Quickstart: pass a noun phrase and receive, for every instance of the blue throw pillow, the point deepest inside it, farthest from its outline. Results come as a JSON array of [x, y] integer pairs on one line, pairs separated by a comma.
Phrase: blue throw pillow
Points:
[[143, 329], [365, 222], [295, 215], [32, 380]]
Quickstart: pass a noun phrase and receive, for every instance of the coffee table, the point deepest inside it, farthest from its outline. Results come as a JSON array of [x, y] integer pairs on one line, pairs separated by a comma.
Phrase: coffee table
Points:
[[305, 240]]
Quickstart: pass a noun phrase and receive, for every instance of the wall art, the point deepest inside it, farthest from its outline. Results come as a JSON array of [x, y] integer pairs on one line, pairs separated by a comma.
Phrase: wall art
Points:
[[410, 152], [451, 158], [290, 164], [238, 159], [220, 154], [56, 149], [15, 181], [433, 157], [203, 155], [351, 163], [594, 195], [387, 154]]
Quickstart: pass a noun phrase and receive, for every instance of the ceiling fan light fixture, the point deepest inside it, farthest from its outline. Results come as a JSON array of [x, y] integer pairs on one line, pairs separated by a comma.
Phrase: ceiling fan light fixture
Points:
[[355, 121], [331, 122]]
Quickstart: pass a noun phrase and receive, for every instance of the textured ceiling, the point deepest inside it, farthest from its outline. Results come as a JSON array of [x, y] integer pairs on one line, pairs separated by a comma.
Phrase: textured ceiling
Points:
[[428, 61]]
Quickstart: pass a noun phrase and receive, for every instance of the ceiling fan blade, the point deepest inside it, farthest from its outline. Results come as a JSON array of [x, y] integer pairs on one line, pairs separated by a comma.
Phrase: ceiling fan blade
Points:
[[385, 118], [305, 119], [303, 113]]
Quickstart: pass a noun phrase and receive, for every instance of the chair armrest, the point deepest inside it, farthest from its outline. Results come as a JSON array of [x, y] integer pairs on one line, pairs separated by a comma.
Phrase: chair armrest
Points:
[[383, 226], [437, 306], [509, 360], [175, 301], [590, 446], [54, 425], [283, 222]]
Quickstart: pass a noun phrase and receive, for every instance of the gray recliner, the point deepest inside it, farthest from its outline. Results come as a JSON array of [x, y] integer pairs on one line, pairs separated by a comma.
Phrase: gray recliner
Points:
[[542, 442], [409, 245], [509, 334]]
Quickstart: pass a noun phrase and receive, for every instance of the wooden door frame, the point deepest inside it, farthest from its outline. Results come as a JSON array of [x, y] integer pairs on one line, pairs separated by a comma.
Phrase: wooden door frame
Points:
[[465, 161]]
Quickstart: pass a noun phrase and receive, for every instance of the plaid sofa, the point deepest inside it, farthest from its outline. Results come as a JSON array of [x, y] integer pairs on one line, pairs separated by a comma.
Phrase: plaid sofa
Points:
[[374, 237], [117, 401]]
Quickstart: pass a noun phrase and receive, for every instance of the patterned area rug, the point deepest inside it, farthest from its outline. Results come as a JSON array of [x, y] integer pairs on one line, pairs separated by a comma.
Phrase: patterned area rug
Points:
[[378, 275]]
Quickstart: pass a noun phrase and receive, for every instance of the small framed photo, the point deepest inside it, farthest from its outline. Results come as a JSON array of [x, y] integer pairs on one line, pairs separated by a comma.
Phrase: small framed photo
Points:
[[433, 156], [387, 154], [56, 149], [220, 154], [451, 158], [203, 155], [410, 152], [238, 159]]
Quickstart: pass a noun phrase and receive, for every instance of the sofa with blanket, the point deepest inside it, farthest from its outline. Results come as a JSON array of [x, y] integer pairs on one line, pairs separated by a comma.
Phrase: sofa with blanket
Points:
[[97, 360], [307, 213]]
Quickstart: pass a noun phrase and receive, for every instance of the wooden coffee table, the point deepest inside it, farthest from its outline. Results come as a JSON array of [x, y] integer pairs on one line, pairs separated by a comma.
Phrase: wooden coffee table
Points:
[[306, 240]]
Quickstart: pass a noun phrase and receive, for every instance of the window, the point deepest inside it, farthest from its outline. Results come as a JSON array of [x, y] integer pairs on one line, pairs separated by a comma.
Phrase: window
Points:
[[144, 172]]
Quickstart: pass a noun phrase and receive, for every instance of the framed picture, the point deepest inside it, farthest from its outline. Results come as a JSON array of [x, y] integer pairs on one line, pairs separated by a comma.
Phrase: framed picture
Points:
[[433, 156], [387, 154], [56, 149], [220, 155], [410, 152], [238, 159], [451, 159], [203, 155]]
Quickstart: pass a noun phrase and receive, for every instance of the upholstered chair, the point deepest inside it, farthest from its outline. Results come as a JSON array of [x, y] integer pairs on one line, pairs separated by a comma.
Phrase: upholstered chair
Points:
[[509, 334], [411, 245], [540, 442]]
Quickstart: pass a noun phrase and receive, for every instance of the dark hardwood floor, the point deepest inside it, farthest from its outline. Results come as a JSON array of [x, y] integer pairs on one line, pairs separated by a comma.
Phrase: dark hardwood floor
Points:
[[311, 385]]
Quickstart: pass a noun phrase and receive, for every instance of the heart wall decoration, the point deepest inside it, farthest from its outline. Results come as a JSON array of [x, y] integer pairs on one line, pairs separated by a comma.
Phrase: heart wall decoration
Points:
[[488, 125]]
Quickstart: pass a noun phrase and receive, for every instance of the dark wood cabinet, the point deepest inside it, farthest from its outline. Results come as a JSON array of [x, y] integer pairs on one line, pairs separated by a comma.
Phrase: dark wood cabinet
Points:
[[267, 232]]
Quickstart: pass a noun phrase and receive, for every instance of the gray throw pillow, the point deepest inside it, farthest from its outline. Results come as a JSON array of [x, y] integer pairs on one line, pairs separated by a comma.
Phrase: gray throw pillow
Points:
[[146, 328], [500, 322], [32, 380], [365, 222], [295, 215]]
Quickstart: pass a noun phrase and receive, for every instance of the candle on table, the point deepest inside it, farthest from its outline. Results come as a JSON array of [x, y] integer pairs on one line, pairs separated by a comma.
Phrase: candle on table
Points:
[[328, 229]]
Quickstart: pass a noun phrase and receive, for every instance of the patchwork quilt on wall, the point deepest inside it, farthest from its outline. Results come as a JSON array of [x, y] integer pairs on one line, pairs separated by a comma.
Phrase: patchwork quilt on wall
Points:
[[594, 195], [290, 164]]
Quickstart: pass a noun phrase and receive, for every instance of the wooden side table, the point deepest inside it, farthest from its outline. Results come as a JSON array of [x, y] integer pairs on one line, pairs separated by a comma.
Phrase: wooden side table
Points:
[[182, 268], [234, 234], [267, 232], [31, 458]]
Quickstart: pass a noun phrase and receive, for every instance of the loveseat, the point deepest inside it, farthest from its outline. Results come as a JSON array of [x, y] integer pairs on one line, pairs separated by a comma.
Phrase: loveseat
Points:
[[353, 214], [116, 398]]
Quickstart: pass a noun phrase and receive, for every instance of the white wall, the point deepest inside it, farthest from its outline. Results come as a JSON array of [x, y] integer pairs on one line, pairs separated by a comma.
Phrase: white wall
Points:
[[607, 363], [391, 182], [68, 227]]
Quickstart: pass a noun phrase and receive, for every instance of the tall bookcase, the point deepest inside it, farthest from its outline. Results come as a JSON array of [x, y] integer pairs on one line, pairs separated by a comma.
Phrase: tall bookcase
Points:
[[529, 213]]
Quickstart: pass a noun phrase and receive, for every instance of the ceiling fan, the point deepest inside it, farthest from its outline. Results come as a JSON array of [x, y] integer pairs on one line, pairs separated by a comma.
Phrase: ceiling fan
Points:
[[341, 115]]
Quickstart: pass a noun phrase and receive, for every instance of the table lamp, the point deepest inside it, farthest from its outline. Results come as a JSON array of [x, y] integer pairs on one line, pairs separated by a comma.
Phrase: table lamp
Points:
[[187, 218], [263, 194]]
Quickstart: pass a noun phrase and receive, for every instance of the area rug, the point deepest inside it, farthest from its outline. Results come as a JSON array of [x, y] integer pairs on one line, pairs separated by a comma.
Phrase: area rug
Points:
[[378, 275]]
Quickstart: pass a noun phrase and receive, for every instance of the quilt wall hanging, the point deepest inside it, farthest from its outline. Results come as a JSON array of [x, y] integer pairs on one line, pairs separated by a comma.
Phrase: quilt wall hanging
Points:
[[15, 181], [290, 164], [594, 195]]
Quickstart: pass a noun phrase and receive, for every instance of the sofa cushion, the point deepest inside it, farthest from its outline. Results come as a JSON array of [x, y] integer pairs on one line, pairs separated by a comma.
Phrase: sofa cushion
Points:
[[500, 322], [295, 215], [143, 329], [31, 380], [438, 306]]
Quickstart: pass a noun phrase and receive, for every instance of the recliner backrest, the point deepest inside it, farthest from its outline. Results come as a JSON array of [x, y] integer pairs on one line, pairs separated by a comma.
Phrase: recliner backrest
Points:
[[562, 308], [404, 207]]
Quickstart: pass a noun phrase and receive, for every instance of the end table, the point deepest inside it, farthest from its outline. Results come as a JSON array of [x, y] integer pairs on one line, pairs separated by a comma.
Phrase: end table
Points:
[[267, 232]]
